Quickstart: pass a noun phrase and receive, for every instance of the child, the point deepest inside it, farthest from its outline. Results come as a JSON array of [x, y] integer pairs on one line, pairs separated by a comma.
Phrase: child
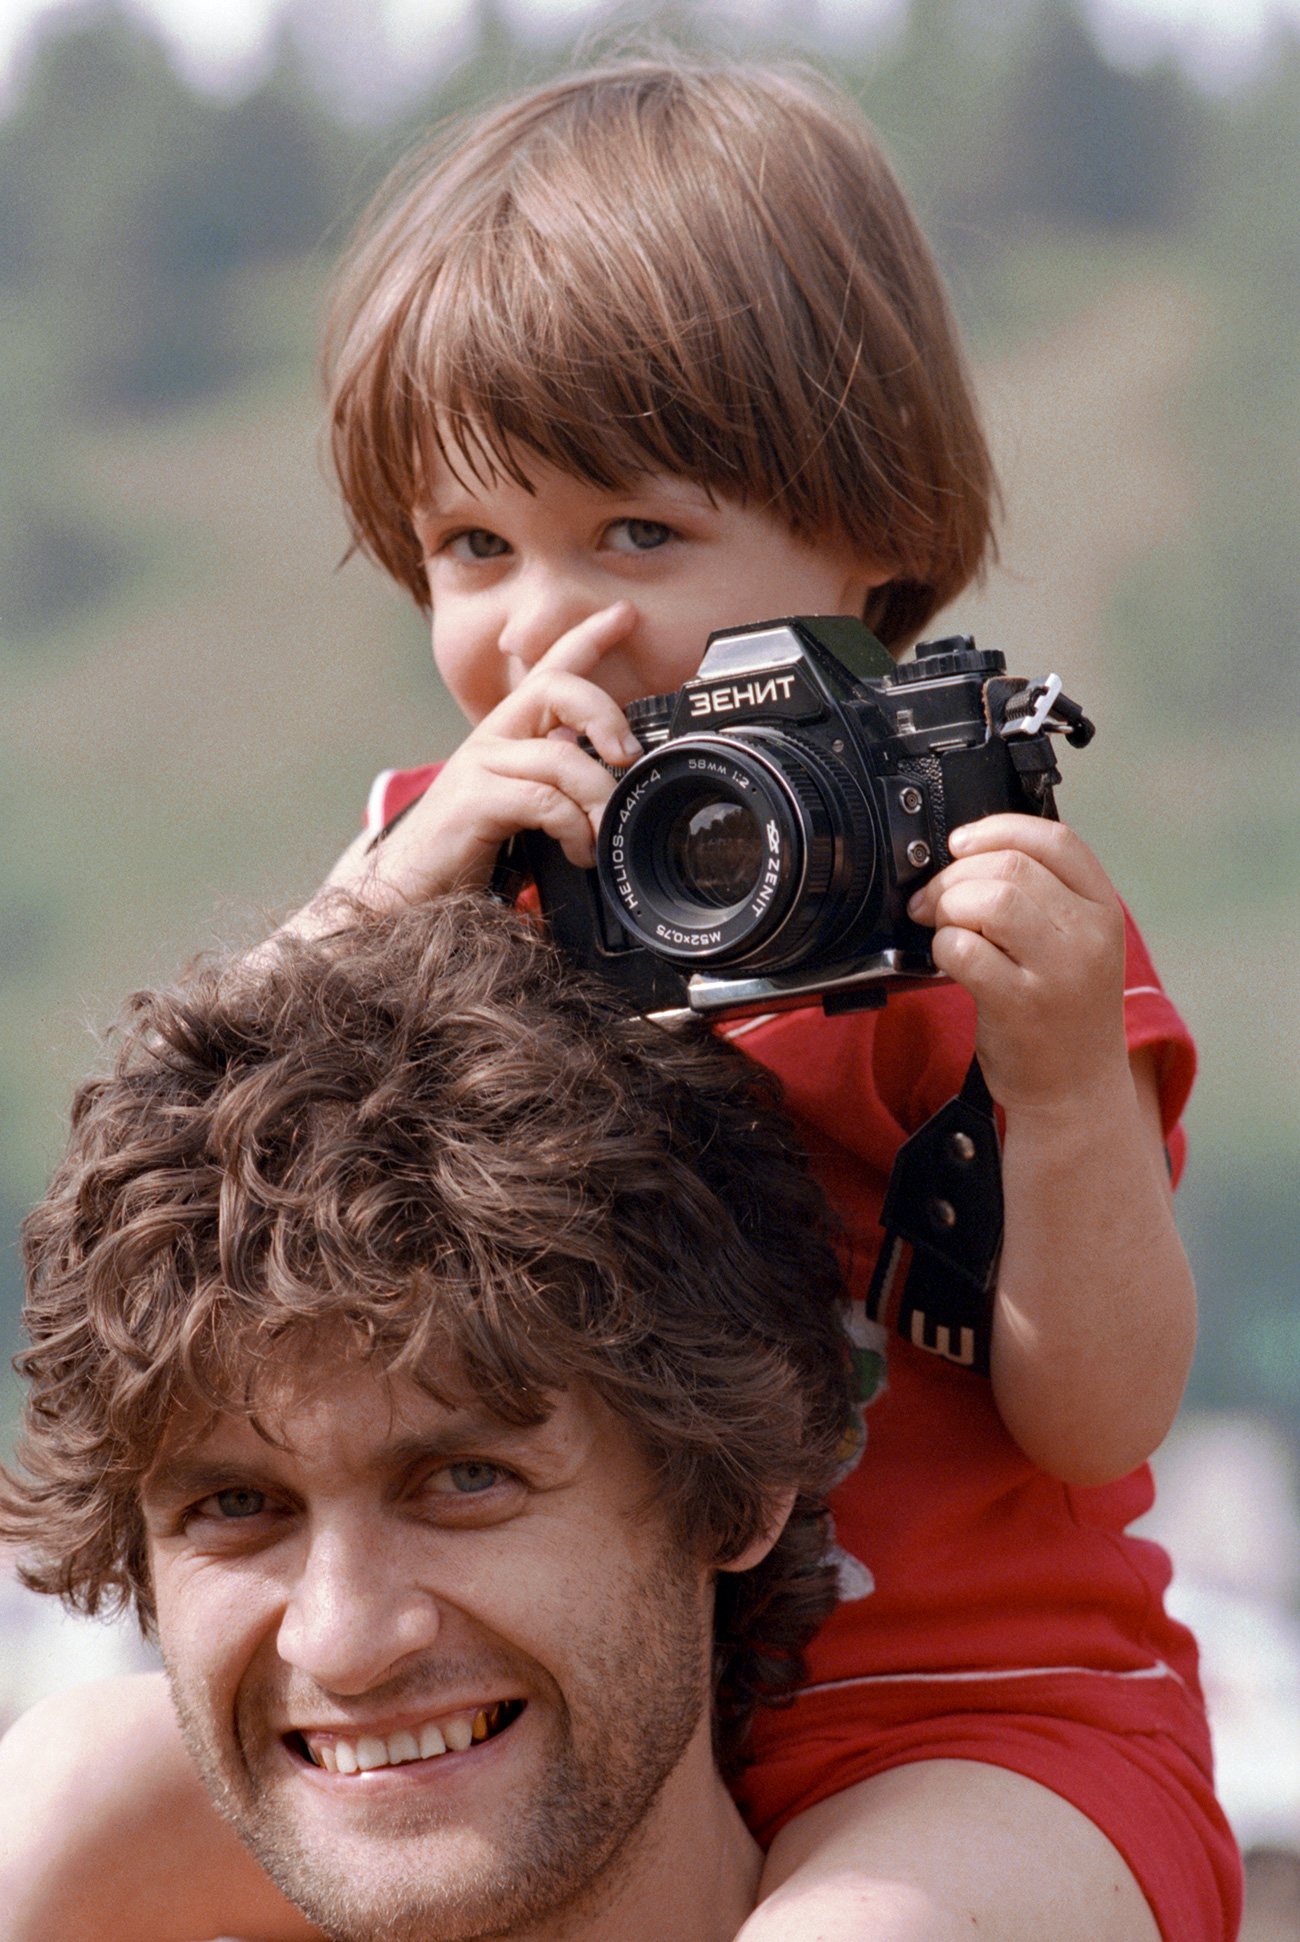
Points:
[[660, 349]]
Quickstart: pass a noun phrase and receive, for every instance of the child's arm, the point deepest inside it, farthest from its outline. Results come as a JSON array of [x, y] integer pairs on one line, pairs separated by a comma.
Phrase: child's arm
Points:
[[519, 768], [1095, 1312], [108, 1835]]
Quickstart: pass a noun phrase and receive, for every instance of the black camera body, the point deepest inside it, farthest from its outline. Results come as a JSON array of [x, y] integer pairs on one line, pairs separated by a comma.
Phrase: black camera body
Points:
[[792, 797]]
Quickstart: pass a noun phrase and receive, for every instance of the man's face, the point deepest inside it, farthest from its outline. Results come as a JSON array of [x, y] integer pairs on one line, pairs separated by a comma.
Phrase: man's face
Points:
[[389, 1576]]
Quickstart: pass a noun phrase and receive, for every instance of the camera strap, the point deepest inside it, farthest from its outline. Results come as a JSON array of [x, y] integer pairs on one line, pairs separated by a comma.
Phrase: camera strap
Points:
[[943, 1231]]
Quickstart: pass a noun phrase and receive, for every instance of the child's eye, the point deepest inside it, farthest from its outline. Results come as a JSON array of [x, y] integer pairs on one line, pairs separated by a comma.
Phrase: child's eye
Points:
[[477, 544], [637, 535]]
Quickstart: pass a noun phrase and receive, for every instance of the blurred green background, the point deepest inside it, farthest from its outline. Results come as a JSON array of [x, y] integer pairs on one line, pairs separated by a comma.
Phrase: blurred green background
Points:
[[193, 699]]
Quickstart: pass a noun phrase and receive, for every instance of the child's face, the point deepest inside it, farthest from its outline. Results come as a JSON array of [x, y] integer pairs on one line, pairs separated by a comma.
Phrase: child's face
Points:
[[511, 571]]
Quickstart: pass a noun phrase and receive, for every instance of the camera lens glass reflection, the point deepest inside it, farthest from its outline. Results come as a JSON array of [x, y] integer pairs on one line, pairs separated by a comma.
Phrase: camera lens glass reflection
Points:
[[714, 851]]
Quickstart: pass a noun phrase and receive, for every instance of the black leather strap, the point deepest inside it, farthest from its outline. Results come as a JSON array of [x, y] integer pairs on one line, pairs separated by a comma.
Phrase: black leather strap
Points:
[[943, 1230]]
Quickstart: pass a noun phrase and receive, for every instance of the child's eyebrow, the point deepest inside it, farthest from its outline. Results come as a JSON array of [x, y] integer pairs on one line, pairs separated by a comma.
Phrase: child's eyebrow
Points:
[[442, 505]]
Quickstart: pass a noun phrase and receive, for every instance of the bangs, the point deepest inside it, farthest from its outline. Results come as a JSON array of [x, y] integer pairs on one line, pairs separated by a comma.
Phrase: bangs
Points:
[[708, 274], [254, 1365], [559, 326]]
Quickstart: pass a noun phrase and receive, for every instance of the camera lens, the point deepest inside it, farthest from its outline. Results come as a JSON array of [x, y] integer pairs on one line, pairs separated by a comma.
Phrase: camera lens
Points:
[[713, 851], [751, 849]]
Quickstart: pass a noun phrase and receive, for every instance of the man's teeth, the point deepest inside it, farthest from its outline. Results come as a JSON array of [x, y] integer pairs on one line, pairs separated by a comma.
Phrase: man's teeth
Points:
[[455, 1734]]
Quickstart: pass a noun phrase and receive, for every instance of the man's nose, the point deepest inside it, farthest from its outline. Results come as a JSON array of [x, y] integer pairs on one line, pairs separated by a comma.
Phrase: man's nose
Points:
[[354, 1613], [545, 604]]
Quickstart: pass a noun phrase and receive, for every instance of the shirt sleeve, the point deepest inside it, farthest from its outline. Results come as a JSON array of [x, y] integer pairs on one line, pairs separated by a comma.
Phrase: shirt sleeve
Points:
[[392, 791], [871, 1078], [1151, 1019]]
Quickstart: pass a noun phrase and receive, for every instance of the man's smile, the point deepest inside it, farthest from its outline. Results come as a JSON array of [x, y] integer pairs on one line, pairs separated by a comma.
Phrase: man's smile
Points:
[[429, 1740]]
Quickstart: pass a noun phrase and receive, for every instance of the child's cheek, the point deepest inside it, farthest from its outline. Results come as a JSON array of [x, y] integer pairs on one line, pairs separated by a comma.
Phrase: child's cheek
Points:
[[472, 668]]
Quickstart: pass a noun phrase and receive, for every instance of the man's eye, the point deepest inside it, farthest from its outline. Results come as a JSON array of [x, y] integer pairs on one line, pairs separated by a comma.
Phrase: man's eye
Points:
[[478, 544], [638, 535], [234, 1504], [467, 1479]]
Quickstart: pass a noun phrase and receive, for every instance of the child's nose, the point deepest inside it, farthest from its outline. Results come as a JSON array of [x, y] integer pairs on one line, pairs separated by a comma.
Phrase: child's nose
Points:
[[545, 606]]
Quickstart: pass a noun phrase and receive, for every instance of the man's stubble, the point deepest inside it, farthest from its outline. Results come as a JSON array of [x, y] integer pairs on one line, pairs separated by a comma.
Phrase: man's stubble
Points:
[[569, 1840]]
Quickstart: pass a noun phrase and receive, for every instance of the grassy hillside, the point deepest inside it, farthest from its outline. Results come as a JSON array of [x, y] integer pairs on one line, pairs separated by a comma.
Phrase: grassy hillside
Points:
[[194, 750]]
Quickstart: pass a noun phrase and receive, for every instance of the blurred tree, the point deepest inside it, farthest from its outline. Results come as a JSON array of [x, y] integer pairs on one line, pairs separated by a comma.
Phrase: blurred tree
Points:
[[933, 95], [1086, 144], [1245, 1250], [495, 57], [1217, 610], [1009, 118], [272, 170], [130, 208], [128, 200], [104, 141]]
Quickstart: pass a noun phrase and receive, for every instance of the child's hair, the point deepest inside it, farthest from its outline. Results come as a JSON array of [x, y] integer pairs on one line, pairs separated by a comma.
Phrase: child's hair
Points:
[[704, 270]]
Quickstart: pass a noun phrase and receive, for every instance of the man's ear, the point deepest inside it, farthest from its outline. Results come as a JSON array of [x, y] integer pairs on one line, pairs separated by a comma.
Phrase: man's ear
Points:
[[757, 1549]]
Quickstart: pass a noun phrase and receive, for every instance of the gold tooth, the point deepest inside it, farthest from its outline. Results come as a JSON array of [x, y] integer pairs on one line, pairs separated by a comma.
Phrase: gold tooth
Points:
[[480, 1726]]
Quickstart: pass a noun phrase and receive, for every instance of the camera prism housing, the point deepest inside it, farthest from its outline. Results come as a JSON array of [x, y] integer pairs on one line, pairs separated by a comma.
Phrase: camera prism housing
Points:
[[791, 798]]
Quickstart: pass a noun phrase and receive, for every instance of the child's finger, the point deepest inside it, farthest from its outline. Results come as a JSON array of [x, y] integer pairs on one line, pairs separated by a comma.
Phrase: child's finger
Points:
[[581, 648], [1054, 845], [557, 693], [532, 802], [562, 704], [550, 785], [1000, 912], [1004, 876], [486, 792], [552, 762]]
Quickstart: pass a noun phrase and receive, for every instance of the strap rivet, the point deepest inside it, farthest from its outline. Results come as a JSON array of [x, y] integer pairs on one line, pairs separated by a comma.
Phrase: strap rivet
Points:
[[943, 1213], [962, 1148]]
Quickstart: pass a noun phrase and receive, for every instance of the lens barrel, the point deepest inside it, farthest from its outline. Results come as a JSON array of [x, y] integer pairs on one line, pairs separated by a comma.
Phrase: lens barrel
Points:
[[753, 848]]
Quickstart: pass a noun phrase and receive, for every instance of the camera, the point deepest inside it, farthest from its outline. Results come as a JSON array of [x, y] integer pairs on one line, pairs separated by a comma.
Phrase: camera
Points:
[[791, 798]]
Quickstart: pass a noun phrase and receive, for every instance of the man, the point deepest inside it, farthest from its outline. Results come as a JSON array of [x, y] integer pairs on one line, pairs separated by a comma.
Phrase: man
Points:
[[447, 1365]]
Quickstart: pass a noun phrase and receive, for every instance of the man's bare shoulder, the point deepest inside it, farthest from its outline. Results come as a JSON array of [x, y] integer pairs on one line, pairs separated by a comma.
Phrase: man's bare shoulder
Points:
[[107, 1834]]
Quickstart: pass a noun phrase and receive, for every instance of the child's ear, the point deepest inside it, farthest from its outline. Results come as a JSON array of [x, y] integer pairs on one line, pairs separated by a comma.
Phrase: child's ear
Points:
[[757, 1549], [861, 578]]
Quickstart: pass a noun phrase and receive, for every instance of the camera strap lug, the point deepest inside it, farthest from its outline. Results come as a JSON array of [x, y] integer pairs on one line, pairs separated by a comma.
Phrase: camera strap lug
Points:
[[1014, 708], [943, 1231], [1037, 701]]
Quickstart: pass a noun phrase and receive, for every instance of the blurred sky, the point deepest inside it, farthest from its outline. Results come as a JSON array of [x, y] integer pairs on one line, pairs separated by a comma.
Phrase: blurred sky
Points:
[[218, 41]]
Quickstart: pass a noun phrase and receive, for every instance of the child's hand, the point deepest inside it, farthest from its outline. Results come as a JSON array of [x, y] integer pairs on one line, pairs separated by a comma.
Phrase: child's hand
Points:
[[1026, 920], [520, 768]]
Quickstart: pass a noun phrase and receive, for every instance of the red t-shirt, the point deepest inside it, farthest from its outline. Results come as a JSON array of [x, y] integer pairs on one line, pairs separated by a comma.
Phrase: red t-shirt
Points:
[[972, 1578]]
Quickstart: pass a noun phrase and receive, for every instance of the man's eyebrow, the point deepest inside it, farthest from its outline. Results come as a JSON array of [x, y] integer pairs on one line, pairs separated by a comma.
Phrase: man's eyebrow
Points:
[[194, 1476], [468, 1429]]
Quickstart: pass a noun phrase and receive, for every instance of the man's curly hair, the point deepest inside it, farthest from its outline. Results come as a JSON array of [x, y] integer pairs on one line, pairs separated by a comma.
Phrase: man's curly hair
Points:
[[426, 1139]]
